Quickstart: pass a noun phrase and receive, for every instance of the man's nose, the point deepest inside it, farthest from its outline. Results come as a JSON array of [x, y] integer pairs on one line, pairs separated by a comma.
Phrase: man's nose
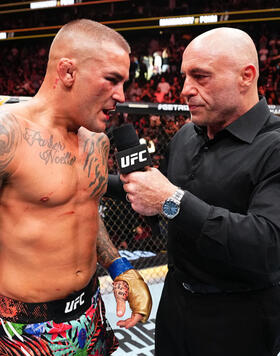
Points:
[[119, 94], [189, 89]]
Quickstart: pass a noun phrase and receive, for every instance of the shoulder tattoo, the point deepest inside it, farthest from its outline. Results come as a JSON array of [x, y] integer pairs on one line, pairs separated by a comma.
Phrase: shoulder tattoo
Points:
[[96, 149], [10, 138]]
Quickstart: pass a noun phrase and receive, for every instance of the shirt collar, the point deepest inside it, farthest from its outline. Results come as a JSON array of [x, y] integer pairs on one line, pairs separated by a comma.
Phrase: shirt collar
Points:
[[247, 126]]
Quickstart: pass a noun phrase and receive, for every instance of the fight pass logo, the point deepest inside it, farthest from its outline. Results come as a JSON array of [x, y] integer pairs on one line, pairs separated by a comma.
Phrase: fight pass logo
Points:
[[173, 107]]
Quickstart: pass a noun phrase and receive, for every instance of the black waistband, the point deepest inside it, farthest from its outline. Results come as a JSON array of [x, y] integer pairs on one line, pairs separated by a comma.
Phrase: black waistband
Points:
[[58, 310]]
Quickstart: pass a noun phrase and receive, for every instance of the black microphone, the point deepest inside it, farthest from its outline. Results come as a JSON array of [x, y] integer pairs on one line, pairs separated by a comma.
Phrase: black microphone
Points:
[[133, 156]]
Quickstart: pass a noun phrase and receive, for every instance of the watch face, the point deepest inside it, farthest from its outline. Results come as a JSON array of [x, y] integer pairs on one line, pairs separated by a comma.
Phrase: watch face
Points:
[[170, 208]]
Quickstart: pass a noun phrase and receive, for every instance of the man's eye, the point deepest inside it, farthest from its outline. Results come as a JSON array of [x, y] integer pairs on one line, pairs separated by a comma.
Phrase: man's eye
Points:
[[200, 76], [112, 80]]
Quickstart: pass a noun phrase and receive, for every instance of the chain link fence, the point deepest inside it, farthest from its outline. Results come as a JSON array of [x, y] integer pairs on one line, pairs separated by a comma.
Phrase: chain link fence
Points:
[[130, 232]]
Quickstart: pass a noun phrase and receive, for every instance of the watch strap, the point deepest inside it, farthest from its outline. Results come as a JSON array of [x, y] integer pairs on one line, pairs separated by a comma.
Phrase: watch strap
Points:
[[177, 196]]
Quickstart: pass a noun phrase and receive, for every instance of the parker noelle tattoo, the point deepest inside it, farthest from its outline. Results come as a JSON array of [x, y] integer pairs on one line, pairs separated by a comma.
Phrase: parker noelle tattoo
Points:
[[52, 151]]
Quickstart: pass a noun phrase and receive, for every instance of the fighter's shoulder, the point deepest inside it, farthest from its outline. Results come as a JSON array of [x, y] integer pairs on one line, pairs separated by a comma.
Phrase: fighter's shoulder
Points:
[[9, 125], [96, 139], [7, 115], [13, 114], [10, 139], [85, 134]]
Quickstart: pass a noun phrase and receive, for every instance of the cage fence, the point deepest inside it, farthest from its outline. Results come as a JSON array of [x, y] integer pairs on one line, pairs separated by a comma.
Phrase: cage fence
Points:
[[130, 232]]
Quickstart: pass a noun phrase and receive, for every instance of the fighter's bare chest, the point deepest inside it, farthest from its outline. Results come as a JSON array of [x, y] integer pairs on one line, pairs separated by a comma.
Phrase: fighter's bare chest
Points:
[[55, 171]]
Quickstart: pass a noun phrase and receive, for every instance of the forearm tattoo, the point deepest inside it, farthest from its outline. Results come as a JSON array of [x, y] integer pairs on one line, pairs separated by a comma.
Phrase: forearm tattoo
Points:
[[96, 163], [106, 251], [52, 151], [10, 138]]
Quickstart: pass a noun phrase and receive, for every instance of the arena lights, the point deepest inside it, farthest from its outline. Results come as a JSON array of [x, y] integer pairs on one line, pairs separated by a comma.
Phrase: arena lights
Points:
[[188, 20], [42, 4], [50, 3], [177, 21]]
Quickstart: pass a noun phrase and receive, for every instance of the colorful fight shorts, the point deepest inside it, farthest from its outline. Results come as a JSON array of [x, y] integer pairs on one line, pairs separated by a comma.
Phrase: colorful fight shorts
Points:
[[72, 326]]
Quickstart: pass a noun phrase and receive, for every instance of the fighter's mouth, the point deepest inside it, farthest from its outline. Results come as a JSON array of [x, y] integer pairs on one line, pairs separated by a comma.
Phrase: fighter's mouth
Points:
[[107, 112]]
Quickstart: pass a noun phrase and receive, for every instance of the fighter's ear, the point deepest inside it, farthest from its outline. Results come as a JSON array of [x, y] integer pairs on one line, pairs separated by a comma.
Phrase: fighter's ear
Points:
[[248, 75], [66, 71]]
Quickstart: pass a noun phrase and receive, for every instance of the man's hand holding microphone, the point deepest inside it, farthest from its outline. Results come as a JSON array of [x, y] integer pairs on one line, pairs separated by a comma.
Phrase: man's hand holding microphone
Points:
[[146, 187], [147, 190]]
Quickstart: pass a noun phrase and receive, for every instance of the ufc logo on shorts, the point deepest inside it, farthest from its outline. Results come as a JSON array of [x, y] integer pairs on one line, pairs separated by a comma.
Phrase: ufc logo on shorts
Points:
[[131, 159], [70, 306]]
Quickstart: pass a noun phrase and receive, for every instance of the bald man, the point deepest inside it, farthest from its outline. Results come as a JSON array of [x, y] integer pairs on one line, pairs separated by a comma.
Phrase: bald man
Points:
[[220, 194], [53, 156]]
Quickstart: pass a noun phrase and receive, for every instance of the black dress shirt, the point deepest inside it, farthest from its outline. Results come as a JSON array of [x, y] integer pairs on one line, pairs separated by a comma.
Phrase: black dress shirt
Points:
[[227, 233]]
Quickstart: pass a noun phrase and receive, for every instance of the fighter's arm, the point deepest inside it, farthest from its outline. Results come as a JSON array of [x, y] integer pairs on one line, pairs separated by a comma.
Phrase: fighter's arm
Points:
[[10, 138], [106, 251], [128, 283]]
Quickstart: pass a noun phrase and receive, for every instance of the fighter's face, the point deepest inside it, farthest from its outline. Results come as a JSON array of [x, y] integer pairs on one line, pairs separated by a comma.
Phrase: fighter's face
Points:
[[100, 85]]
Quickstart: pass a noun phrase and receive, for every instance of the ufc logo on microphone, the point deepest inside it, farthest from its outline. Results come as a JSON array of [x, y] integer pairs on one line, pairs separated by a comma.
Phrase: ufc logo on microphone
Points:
[[70, 306], [131, 159]]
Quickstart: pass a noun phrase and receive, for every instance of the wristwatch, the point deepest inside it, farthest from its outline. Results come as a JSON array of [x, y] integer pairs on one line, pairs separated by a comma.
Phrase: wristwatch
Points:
[[171, 206]]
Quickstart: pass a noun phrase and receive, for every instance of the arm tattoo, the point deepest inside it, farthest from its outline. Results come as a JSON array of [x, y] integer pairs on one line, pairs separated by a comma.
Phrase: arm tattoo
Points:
[[10, 138], [106, 251], [96, 163]]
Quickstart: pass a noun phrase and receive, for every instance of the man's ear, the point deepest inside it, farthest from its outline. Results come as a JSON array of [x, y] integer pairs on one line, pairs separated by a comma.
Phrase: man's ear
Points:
[[66, 71], [248, 76]]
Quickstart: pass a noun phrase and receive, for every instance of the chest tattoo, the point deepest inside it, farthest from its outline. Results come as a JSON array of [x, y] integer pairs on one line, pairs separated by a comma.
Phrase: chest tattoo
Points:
[[52, 151]]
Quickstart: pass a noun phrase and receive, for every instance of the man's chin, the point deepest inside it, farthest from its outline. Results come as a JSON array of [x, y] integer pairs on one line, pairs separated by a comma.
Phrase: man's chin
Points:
[[198, 120], [97, 128]]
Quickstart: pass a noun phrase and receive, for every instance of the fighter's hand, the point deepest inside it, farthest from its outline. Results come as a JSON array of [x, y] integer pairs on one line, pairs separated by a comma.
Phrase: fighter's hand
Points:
[[147, 190], [130, 286]]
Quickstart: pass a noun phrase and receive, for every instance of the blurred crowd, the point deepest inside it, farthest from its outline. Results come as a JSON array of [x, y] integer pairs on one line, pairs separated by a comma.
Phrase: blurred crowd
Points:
[[155, 59], [155, 63], [126, 9], [154, 77]]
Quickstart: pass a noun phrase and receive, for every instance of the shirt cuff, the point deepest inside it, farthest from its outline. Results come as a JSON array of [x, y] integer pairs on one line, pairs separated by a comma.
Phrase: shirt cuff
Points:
[[193, 215]]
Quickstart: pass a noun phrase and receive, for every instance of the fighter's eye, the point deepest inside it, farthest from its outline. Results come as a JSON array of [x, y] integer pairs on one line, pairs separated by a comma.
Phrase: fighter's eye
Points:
[[112, 80]]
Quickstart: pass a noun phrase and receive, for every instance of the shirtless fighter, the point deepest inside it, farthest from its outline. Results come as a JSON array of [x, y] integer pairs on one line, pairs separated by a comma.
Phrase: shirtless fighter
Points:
[[53, 164]]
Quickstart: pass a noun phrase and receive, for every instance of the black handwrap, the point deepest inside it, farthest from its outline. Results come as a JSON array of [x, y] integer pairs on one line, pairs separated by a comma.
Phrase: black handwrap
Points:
[[115, 191], [115, 188]]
